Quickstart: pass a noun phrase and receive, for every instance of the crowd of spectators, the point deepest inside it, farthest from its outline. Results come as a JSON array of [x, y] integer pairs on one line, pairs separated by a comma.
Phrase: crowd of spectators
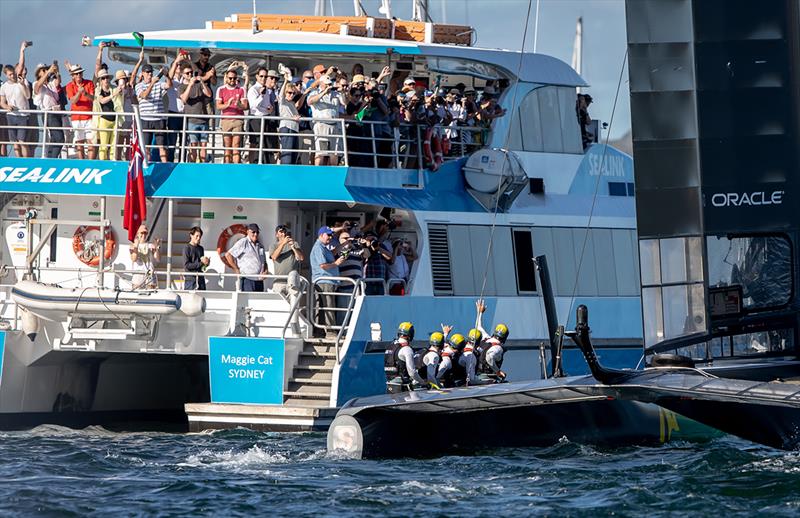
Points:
[[380, 111]]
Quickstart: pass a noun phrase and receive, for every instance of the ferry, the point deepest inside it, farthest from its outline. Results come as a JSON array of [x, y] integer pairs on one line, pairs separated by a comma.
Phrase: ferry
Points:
[[82, 344]]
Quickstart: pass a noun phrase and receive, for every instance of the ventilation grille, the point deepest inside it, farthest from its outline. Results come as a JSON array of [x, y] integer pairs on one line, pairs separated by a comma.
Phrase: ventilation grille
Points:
[[440, 260]]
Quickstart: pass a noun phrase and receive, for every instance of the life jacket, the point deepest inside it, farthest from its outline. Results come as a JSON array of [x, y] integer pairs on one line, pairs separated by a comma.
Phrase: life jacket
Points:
[[391, 361], [483, 365], [449, 352]]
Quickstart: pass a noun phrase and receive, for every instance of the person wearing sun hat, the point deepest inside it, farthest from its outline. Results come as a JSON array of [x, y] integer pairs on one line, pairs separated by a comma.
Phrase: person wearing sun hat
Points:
[[104, 102], [80, 94]]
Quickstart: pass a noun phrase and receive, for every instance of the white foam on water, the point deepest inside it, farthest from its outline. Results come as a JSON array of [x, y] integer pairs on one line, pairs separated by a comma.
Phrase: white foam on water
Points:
[[789, 462], [253, 458]]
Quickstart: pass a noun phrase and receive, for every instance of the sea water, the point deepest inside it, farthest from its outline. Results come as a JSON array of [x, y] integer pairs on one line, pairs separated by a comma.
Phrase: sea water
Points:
[[57, 471]]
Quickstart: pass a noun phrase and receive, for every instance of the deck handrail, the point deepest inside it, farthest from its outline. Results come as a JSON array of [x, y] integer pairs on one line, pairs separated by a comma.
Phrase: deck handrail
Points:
[[394, 146]]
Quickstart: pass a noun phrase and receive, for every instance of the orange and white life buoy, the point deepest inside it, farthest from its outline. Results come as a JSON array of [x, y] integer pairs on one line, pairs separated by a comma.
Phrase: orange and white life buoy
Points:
[[426, 146], [225, 236], [89, 253], [445, 145], [436, 144]]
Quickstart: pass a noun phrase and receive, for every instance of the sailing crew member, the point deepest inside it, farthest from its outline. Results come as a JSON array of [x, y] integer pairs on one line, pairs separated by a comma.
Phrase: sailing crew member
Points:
[[494, 346], [467, 359], [431, 359], [450, 354], [403, 355]]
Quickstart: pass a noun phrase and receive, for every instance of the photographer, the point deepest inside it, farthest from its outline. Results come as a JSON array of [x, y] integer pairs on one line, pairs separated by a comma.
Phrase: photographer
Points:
[[326, 104], [404, 255], [377, 264], [263, 102], [193, 93], [286, 255], [355, 256]]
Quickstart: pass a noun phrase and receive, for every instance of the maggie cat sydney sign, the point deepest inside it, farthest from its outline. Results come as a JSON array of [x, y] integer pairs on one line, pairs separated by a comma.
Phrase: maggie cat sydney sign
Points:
[[246, 370], [55, 176]]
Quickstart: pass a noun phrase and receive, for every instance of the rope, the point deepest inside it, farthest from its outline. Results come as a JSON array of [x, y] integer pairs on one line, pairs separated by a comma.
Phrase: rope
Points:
[[500, 178], [597, 183]]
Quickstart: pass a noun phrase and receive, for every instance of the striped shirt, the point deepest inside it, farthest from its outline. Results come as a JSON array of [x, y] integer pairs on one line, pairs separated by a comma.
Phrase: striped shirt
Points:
[[153, 103]]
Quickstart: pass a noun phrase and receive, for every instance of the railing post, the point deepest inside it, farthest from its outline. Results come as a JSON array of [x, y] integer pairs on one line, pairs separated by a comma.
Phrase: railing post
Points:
[[420, 163], [344, 142], [102, 264], [261, 141], [44, 135], [183, 140], [170, 213], [374, 150]]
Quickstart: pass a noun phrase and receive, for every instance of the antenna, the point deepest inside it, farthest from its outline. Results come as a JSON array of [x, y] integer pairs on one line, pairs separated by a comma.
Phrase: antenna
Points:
[[577, 49], [535, 29], [255, 19]]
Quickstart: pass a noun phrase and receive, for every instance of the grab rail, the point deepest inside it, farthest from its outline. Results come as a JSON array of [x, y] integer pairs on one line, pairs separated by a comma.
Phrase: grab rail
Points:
[[402, 146]]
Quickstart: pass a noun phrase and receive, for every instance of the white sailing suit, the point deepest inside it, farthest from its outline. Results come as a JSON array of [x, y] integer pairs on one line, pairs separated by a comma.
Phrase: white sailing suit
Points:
[[469, 361], [431, 362], [447, 362], [494, 354]]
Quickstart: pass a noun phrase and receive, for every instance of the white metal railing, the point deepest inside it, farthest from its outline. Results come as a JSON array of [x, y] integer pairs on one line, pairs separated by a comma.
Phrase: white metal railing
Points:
[[375, 144]]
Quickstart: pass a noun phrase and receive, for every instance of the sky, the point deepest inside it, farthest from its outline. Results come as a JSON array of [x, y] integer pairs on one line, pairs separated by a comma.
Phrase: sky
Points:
[[56, 28]]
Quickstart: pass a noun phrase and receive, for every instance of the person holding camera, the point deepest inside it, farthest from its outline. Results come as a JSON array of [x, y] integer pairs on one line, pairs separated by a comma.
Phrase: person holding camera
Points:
[[286, 255], [400, 268], [263, 102], [151, 92], [46, 89], [290, 101], [193, 93], [377, 265], [326, 104]]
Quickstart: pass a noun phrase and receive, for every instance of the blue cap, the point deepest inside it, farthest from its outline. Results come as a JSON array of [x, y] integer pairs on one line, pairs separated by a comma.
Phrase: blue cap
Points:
[[324, 229]]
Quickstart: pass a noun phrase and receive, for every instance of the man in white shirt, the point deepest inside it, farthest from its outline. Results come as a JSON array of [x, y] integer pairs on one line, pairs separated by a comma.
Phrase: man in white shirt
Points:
[[15, 96], [326, 104], [263, 102]]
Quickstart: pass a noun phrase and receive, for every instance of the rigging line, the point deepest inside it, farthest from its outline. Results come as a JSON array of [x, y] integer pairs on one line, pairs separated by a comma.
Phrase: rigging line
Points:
[[597, 182], [508, 137]]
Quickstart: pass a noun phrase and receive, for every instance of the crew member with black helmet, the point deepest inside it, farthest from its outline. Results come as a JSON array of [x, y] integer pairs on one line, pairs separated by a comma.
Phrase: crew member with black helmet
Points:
[[494, 346], [450, 354], [404, 357]]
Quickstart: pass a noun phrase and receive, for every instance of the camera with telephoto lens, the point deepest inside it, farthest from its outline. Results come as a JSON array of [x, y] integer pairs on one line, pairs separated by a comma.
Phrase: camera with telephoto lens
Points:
[[353, 247]]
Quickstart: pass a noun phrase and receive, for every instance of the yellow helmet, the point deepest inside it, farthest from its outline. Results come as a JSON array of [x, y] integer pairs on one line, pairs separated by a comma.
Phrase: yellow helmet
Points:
[[406, 329], [474, 336], [501, 332], [456, 341], [437, 339]]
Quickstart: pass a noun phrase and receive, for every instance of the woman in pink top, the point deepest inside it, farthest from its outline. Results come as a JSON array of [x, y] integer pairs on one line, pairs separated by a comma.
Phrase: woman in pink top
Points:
[[231, 99]]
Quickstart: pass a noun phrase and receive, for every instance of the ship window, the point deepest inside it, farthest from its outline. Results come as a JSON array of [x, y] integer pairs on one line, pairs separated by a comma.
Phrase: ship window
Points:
[[673, 295], [523, 256], [761, 265], [617, 189], [546, 122]]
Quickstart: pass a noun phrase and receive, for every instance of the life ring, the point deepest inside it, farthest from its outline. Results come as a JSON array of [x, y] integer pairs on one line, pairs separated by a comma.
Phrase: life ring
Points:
[[224, 237], [436, 143], [426, 146], [90, 255], [446, 145]]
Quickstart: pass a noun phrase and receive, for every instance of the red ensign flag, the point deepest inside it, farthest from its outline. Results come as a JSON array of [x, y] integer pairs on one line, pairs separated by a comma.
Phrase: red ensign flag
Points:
[[135, 210]]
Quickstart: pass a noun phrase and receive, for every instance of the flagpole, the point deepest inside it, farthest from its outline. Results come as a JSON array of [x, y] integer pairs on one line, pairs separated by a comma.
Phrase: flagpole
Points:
[[142, 144]]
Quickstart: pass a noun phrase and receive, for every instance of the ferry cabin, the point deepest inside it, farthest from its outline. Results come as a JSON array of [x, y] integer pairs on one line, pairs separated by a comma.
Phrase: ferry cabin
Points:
[[523, 187]]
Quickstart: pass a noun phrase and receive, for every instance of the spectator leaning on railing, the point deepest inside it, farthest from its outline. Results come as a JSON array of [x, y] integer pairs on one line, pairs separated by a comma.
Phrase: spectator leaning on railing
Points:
[[232, 101], [150, 92], [46, 90], [15, 96]]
